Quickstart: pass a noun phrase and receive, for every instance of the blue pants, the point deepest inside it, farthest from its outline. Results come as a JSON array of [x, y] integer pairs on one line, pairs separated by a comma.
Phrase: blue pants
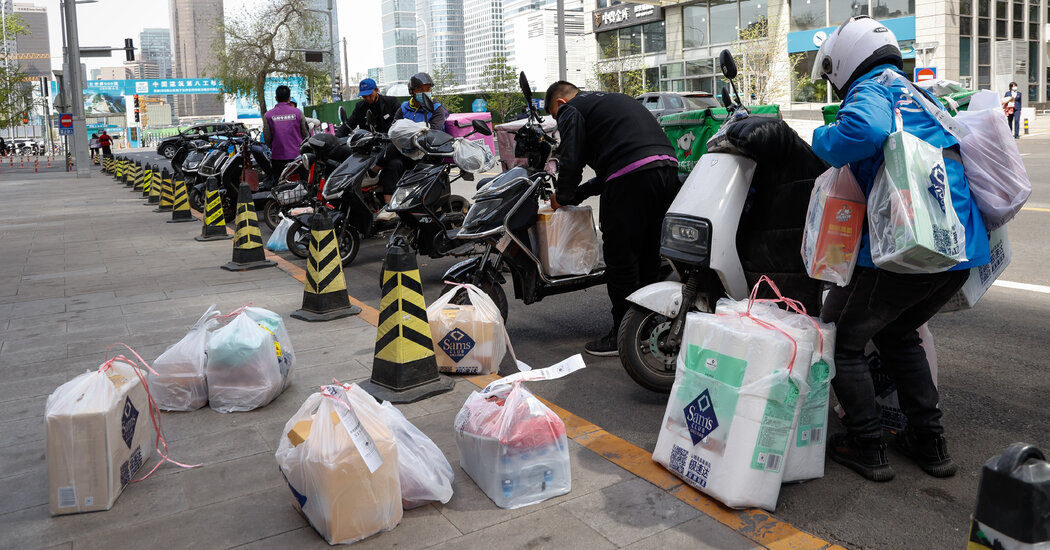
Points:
[[1014, 120]]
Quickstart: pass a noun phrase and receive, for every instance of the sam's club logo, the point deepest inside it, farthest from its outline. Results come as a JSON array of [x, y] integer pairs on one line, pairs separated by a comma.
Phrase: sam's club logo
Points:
[[456, 344], [938, 184]]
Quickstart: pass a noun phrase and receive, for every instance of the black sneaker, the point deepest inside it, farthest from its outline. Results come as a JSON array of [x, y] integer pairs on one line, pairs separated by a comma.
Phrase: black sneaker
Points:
[[930, 452], [604, 346], [867, 457]]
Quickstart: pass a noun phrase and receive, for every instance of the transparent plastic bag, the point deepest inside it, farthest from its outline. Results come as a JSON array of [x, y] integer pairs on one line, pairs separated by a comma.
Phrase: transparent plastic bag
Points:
[[472, 156], [243, 370], [180, 383], [273, 322], [403, 134], [469, 338], [280, 235], [999, 182], [912, 225], [340, 461], [834, 224], [426, 476], [567, 243]]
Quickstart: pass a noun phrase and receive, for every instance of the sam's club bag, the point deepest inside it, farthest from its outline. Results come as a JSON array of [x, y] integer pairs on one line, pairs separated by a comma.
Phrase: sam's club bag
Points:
[[468, 338], [912, 224], [834, 224]]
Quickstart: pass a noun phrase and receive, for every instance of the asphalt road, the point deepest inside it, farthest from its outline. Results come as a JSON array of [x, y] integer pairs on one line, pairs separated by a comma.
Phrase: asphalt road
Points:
[[992, 381]]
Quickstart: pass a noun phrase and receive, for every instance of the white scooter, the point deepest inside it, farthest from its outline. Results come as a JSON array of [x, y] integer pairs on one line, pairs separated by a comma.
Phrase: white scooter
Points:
[[711, 253]]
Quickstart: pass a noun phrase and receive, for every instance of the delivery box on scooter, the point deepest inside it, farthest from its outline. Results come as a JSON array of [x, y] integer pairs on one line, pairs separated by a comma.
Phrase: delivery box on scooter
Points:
[[566, 241], [98, 436]]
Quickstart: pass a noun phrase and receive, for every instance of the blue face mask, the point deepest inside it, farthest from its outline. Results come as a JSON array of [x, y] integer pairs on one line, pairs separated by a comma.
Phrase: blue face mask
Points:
[[419, 96]]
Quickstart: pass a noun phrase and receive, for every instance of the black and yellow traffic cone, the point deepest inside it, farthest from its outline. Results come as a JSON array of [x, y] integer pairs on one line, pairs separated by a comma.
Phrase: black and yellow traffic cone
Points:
[[213, 226], [248, 252], [136, 171], [180, 200], [129, 172], [120, 169], [162, 181], [151, 187], [324, 290], [404, 369]]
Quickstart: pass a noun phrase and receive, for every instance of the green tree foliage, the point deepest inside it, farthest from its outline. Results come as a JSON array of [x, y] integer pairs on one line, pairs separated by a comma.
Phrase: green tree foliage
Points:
[[500, 88], [620, 70], [257, 44], [16, 92], [445, 88]]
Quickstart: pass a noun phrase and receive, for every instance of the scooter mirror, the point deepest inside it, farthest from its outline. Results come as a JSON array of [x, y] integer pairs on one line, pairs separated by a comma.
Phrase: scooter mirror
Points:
[[525, 88], [481, 128], [370, 118], [428, 103], [342, 114], [727, 99], [728, 64]]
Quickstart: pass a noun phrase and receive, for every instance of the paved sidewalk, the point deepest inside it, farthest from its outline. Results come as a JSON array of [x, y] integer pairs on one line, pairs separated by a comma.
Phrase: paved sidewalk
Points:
[[85, 264]]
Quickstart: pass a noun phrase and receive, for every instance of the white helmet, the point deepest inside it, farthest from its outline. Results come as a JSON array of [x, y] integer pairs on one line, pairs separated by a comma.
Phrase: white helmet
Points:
[[857, 46]]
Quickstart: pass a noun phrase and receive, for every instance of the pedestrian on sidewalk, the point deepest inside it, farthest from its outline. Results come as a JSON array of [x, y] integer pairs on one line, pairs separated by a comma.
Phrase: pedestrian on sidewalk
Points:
[[105, 142], [93, 146], [1012, 108], [879, 306], [636, 176], [284, 129]]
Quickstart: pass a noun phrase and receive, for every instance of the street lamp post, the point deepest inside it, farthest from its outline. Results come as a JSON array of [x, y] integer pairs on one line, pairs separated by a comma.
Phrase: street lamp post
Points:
[[426, 32], [331, 43]]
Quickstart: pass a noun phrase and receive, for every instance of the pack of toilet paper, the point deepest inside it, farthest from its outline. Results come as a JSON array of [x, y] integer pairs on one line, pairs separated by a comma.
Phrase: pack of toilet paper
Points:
[[732, 408]]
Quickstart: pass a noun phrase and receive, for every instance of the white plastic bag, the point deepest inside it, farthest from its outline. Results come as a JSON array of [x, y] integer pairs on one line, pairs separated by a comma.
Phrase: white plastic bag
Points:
[[340, 461], [180, 383], [244, 369], [426, 476], [273, 323], [469, 338], [403, 134], [998, 180], [834, 223], [732, 408], [912, 225], [567, 243], [278, 240], [472, 156], [511, 444]]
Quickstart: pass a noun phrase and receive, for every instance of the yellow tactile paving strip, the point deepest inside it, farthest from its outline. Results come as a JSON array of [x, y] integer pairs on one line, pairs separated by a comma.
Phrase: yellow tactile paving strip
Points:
[[757, 525]]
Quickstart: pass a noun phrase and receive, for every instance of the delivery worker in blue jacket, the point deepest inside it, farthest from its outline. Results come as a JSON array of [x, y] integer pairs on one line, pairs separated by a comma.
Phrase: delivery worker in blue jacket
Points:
[[877, 305], [391, 164]]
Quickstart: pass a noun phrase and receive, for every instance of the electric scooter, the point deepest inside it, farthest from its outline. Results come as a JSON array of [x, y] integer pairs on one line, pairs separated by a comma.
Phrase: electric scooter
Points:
[[739, 215]]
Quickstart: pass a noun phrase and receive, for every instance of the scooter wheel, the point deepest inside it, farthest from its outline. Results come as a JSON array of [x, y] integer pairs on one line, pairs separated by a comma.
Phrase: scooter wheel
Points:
[[298, 240], [638, 343], [271, 214], [349, 245]]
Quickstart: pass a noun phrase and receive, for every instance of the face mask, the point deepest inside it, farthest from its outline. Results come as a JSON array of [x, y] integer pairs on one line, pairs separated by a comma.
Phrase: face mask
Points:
[[1014, 89], [419, 96]]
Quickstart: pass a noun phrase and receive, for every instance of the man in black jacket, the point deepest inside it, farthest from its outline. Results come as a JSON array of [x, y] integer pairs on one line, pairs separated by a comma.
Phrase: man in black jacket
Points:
[[636, 176], [383, 108]]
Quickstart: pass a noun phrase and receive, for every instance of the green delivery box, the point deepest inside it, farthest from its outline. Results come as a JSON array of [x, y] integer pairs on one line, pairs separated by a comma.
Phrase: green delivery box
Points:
[[690, 130]]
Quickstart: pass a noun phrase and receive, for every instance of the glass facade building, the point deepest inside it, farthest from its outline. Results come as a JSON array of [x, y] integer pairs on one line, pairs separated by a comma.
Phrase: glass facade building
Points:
[[399, 41]]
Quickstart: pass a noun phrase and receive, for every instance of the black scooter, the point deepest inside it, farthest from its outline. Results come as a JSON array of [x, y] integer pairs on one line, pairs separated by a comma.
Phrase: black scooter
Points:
[[504, 209]]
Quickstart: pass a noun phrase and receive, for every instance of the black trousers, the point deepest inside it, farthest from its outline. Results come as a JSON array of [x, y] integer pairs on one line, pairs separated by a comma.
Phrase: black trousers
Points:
[[277, 166], [394, 166], [631, 215], [887, 309]]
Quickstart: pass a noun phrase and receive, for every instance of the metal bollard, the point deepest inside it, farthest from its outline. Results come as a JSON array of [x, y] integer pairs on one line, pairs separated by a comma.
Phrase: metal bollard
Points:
[[1026, 126]]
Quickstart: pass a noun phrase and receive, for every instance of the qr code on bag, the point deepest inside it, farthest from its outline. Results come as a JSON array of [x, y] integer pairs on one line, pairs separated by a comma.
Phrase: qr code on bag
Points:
[[691, 467], [678, 458]]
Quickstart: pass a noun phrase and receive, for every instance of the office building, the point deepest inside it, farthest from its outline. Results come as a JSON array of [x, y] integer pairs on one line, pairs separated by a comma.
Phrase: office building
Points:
[[195, 41], [113, 73], [142, 69], [376, 73], [33, 48], [483, 37], [984, 44], [532, 41], [155, 46], [399, 41], [441, 37]]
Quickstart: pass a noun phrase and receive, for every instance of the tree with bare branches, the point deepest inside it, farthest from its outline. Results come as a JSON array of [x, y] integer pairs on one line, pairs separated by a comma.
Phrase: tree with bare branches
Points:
[[258, 44], [764, 72]]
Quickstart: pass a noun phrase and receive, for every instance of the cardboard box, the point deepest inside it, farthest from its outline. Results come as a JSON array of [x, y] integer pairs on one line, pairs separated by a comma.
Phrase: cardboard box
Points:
[[99, 434], [465, 342]]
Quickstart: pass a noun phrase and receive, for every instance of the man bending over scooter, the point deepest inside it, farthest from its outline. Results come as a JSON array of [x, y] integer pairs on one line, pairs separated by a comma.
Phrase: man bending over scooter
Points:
[[391, 165], [877, 305], [636, 176]]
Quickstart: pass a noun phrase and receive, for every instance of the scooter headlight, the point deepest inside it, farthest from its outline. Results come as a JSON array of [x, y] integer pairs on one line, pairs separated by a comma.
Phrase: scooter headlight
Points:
[[403, 197], [686, 238]]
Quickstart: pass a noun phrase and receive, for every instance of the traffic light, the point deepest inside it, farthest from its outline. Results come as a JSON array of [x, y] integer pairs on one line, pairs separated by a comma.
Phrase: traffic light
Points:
[[129, 49], [136, 107], [25, 118]]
